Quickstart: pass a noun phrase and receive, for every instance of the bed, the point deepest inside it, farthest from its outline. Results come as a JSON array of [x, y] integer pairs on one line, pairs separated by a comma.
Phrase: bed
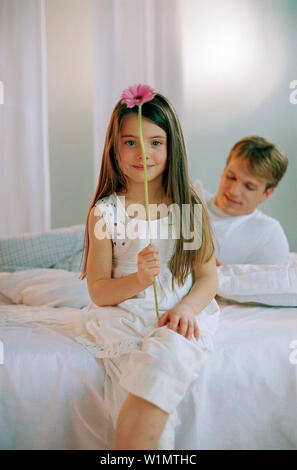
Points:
[[51, 388]]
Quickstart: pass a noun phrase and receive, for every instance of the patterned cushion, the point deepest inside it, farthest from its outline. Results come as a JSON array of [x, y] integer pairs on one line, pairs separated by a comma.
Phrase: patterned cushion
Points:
[[59, 248]]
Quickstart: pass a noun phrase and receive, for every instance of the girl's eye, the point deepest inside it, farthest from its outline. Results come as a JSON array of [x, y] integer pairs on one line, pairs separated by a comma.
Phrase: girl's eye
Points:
[[130, 143], [156, 143]]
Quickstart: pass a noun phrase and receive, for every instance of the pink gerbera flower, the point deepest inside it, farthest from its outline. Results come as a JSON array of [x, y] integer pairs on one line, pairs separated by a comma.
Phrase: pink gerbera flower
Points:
[[137, 94]]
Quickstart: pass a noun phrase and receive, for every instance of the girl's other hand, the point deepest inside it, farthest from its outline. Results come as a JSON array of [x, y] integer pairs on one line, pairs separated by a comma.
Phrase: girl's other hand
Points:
[[148, 263], [182, 317]]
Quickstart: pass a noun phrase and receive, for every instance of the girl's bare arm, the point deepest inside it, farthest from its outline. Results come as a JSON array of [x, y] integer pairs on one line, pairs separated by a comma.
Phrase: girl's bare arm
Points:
[[204, 287], [104, 290], [114, 291]]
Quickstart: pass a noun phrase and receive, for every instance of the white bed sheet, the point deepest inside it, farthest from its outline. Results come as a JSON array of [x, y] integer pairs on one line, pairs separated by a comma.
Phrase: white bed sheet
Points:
[[246, 396], [51, 388]]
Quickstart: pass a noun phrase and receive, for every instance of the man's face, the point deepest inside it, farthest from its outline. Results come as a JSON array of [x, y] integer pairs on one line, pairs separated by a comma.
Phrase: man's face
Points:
[[240, 191]]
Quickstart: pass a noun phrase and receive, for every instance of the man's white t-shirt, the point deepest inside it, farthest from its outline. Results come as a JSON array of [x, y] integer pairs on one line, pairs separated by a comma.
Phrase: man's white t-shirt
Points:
[[254, 238]]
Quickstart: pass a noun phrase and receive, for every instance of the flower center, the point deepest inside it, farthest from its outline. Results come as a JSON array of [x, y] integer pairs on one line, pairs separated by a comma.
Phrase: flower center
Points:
[[138, 97]]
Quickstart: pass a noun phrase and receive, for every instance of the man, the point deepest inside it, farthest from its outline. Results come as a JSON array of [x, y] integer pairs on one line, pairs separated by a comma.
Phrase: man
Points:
[[242, 233]]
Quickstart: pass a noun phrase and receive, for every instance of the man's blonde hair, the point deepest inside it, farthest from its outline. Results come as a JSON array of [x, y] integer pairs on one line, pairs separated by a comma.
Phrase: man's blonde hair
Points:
[[267, 161]]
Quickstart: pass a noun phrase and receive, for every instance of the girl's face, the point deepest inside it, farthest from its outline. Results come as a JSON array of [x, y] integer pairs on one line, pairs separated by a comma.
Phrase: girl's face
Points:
[[130, 152]]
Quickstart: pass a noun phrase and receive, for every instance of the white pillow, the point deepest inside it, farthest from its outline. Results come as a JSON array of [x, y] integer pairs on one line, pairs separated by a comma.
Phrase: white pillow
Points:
[[45, 287], [274, 285]]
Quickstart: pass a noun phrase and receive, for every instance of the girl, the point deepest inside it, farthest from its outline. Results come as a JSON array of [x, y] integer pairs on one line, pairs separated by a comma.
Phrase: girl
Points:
[[149, 364]]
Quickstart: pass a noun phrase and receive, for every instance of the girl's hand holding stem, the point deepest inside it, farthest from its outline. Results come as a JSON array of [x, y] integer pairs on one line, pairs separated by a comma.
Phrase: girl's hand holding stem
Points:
[[148, 263]]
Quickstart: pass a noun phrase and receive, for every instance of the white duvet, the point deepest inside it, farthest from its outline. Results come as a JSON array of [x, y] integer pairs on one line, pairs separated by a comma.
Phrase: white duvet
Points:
[[51, 388]]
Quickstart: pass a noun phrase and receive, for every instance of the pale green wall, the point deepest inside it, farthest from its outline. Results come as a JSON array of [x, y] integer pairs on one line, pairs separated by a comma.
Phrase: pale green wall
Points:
[[70, 97], [70, 73], [275, 118]]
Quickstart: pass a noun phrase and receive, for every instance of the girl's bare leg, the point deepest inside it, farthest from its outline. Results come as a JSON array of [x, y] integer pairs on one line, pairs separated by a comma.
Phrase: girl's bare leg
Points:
[[140, 424]]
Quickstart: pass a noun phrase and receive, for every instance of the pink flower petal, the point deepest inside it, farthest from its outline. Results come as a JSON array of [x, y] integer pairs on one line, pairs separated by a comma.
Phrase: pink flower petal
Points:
[[137, 94]]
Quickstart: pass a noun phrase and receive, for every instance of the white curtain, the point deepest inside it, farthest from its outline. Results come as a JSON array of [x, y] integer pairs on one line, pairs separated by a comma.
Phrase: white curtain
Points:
[[136, 41], [24, 162]]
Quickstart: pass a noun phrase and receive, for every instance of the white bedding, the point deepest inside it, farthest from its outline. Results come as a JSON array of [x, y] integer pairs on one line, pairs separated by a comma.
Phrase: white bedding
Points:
[[51, 388], [274, 285]]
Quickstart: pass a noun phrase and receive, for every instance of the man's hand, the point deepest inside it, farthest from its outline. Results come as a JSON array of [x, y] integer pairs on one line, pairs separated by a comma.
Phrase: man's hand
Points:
[[218, 262], [181, 316]]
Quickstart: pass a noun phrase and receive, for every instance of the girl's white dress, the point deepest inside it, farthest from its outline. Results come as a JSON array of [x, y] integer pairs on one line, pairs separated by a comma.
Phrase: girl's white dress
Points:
[[155, 363]]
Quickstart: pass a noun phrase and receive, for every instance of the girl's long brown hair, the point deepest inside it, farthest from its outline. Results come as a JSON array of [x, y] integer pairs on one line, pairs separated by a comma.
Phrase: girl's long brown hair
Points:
[[175, 181]]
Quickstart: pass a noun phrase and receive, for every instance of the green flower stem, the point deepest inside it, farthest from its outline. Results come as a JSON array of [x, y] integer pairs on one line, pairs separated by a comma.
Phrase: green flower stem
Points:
[[146, 198]]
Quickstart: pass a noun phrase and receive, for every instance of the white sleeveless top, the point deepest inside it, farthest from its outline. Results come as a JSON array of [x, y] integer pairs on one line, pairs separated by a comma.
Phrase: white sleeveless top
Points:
[[130, 236], [122, 327]]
